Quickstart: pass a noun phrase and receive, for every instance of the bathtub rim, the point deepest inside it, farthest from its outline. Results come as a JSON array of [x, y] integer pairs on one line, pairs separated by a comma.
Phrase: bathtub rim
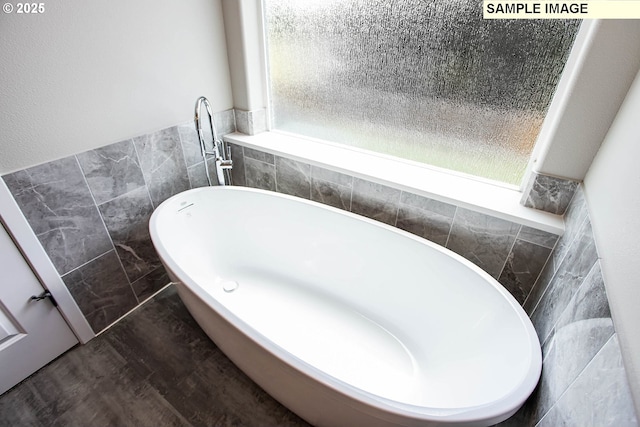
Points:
[[505, 405]]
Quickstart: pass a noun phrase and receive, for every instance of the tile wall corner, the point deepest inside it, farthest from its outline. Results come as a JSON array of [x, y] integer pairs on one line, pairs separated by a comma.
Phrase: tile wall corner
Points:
[[569, 308]]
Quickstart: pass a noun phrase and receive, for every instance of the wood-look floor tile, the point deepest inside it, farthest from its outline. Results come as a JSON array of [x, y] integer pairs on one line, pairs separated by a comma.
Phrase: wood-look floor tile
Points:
[[154, 368]]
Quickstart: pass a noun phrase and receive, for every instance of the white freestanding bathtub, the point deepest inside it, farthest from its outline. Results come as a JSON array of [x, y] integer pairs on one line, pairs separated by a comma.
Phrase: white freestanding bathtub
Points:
[[344, 320]]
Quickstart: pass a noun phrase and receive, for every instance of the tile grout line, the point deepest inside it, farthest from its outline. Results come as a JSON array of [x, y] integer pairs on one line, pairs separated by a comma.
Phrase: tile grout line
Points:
[[139, 305], [506, 260], [453, 220], [549, 259], [561, 261], [104, 224], [144, 177]]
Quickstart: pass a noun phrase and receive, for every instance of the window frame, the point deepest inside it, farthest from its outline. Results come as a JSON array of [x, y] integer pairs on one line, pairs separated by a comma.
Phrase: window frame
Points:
[[540, 144]]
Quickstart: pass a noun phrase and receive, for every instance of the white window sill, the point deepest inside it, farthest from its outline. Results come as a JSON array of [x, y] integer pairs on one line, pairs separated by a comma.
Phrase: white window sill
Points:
[[475, 194]]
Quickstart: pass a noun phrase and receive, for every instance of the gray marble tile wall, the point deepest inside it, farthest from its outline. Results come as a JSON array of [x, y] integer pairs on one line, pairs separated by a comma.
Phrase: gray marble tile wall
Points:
[[91, 211], [583, 379], [513, 254]]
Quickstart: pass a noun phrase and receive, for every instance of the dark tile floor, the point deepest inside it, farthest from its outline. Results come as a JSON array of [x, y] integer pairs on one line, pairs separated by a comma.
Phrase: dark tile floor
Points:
[[154, 368]]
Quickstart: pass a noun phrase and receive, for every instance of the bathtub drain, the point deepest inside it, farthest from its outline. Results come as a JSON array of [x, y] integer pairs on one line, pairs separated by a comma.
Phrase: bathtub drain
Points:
[[230, 285]]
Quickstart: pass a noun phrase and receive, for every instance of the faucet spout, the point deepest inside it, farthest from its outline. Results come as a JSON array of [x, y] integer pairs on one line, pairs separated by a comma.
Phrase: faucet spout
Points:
[[221, 151]]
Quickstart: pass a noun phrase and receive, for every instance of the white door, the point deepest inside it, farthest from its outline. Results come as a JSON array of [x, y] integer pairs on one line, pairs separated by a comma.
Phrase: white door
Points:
[[32, 333]]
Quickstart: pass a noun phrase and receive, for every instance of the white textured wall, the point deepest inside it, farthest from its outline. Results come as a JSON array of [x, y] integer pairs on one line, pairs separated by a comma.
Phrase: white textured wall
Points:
[[612, 188], [88, 73]]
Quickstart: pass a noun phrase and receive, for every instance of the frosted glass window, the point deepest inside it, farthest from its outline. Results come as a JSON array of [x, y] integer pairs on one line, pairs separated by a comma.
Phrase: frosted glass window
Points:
[[426, 80]]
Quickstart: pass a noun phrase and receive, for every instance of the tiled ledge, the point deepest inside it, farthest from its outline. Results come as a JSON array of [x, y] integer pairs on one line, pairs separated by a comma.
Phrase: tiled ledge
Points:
[[474, 194], [548, 193]]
